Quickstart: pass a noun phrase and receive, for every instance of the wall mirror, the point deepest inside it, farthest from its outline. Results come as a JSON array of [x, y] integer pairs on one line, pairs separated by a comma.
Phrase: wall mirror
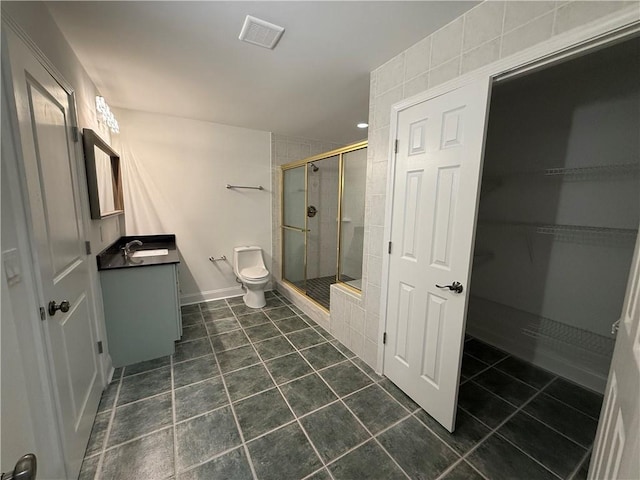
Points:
[[104, 177]]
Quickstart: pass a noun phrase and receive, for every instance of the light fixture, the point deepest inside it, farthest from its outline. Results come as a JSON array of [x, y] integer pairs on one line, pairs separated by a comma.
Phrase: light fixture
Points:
[[106, 114], [362, 125]]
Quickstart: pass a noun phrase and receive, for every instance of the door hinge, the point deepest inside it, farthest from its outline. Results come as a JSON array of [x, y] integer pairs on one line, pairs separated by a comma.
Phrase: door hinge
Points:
[[389, 249], [43, 314], [87, 247], [384, 338], [100, 347], [75, 134], [395, 148]]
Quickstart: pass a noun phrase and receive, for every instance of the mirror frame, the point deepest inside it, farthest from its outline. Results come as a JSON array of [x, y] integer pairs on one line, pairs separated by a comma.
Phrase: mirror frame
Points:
[[90, 141]]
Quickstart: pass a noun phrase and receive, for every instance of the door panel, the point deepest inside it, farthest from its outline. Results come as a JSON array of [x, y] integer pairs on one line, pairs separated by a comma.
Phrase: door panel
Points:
[[435, 199], [615, 455], [44, 112]]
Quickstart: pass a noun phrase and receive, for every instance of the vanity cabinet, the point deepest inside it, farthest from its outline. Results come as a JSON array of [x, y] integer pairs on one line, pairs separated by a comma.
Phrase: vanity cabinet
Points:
[[142, 312], [141, 303]]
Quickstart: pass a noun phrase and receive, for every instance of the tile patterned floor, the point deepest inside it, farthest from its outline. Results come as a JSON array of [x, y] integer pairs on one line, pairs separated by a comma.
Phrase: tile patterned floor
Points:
[[268, 394], [319, 289]]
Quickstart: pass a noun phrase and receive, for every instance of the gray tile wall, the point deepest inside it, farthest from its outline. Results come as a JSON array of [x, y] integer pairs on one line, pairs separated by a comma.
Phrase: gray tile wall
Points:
[[489, 32]]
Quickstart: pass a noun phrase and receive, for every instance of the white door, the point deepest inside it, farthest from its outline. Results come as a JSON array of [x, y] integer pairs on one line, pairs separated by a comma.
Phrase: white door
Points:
[[45, 112], [617, 443], [435, 198]]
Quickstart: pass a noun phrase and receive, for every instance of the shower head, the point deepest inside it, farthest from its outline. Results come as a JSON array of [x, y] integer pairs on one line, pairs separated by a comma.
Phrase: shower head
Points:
[[314, 167]]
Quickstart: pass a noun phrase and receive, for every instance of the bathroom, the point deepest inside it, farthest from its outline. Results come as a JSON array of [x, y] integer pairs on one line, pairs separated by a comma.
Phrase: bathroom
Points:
[[175, 172]]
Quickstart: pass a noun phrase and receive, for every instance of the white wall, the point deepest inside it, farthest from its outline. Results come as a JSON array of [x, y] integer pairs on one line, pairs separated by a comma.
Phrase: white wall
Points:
[[175, 172]]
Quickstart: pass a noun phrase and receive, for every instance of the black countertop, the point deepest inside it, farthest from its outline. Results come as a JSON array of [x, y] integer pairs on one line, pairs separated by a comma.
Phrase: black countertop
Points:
[[112, 257]]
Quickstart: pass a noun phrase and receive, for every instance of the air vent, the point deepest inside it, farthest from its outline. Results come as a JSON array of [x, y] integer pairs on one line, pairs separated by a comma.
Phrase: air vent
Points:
[[260, 33]]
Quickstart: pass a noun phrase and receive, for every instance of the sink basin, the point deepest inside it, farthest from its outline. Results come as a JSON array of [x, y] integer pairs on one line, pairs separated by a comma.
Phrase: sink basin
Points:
[[150, 253]]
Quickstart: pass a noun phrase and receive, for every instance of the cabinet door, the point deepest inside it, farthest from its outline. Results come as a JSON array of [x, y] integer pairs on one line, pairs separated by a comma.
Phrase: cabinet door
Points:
[[140, 312]]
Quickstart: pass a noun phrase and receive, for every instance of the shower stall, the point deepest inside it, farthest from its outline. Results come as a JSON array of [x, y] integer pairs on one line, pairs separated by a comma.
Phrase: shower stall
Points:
[[322, 221]]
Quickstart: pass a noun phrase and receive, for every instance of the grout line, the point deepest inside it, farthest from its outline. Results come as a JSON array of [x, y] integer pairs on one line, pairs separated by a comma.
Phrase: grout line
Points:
[[173, 418], [495, 431], [557, 431], [502, 32], [341, 400], [596, 419], [155, 395], [233, 411], [297, 420], [139, 437], [109, 426], [146, 371], [455, 465], [581, 463]]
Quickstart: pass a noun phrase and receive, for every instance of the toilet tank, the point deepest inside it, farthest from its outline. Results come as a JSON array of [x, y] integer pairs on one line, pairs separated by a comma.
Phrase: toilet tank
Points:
[[244, 257]]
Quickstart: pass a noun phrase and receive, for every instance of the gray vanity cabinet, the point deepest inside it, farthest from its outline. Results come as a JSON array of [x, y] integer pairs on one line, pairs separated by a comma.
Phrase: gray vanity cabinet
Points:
[[142, 312]]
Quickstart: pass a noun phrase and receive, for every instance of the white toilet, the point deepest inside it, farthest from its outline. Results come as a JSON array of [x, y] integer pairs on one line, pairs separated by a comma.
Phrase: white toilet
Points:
[[248, 265]]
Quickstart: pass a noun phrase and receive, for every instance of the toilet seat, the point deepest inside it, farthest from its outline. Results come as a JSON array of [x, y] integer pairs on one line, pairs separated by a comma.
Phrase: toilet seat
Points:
[[254, 273]]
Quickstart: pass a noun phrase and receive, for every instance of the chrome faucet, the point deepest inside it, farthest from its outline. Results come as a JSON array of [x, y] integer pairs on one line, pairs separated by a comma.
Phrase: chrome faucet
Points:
[[126, 250]]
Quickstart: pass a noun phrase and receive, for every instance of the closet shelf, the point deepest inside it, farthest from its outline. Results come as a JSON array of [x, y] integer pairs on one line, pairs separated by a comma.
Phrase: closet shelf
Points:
[[552, 331], [575, 233], [578, 173]]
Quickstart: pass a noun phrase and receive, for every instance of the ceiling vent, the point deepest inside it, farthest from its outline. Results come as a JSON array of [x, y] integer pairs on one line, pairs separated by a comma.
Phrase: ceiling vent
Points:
[[260, 33]]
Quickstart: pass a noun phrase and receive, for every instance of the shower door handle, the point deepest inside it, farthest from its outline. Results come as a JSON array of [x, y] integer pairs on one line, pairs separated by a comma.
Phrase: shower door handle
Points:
[[454, 287]]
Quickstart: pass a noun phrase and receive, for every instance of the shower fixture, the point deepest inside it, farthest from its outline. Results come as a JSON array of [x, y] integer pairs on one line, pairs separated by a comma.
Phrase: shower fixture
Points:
[[314, 167]]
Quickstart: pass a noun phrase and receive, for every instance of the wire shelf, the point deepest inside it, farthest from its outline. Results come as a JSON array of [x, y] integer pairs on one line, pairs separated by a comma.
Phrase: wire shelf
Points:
[[554, 332], [623, 170], [573, 233], [557, 332]]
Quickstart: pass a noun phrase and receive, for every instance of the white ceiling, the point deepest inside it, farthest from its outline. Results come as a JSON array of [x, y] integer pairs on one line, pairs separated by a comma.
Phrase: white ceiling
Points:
[[185, 59]]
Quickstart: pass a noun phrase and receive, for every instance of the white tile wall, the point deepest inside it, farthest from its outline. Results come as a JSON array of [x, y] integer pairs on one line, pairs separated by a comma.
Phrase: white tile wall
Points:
[[490, 31]]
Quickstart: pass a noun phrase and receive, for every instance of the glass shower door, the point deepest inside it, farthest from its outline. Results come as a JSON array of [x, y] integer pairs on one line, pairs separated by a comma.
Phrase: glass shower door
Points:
[[323, 180], [294, 226]]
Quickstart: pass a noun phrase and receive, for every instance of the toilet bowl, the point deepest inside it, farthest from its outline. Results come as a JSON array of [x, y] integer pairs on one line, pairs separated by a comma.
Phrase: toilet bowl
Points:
[[248, 265]]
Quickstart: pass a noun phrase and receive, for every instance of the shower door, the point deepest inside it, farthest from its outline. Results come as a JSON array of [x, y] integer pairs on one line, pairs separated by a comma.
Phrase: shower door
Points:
[[323, 180], [294, 225], [323, 221]]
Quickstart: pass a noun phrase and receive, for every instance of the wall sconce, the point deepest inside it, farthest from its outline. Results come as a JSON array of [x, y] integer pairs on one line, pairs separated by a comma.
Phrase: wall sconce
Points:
[[106, 114]]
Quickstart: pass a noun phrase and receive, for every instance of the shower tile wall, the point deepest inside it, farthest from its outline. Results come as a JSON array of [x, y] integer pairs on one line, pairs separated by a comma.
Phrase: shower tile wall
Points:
[[490, 31], [286, 150]]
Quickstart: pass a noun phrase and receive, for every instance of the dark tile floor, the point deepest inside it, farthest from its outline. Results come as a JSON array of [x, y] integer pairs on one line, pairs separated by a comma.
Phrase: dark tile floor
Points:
[[269, 394], [319, 289]]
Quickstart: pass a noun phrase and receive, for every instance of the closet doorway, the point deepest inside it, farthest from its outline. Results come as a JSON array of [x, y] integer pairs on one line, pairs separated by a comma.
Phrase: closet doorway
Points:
[[559, 212], [555, 235]]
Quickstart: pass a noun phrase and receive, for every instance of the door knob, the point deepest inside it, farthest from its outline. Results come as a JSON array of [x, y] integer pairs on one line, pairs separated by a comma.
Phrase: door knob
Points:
[[54, 307], [25, 469], [454, 287]]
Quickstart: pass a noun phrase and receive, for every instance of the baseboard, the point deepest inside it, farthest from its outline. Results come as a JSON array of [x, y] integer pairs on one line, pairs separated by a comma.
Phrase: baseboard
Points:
[[504, 331], [211, 295]]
